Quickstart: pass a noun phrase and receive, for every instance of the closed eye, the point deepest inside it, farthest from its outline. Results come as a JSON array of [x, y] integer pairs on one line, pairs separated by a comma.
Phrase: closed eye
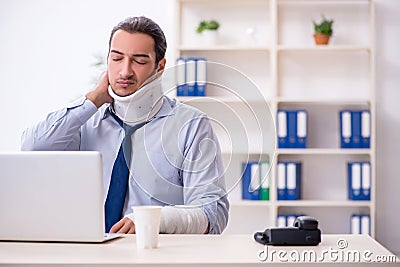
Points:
[[140, 62], [140, 59]]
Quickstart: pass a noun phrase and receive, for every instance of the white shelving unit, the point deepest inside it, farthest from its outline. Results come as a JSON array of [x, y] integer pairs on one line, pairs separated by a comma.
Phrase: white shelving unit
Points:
[[270, 41]]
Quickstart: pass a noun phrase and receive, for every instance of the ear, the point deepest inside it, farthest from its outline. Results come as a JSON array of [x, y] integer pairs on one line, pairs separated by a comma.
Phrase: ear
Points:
[[161, 65]]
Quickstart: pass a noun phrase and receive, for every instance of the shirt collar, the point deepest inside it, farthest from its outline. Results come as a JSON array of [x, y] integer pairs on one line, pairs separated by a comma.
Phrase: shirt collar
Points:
[[165, 110]]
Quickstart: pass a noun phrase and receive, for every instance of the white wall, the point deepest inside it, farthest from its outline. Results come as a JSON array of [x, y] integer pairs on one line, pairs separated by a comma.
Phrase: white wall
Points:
[[388, 122], [47, 49]]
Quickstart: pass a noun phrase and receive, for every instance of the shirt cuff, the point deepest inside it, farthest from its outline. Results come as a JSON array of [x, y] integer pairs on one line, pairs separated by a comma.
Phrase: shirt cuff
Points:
[[82, 109], [130, 216]]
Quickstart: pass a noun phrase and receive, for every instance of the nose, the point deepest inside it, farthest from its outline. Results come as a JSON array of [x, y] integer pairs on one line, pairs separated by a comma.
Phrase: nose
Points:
[[126, 70]]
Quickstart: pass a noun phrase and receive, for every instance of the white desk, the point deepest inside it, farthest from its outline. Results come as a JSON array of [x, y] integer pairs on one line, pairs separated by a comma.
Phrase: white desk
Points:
[[193, 250]]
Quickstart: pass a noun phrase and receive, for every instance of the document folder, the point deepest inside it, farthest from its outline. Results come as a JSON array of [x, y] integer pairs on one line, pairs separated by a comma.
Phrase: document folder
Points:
[[365, 129], [355, 128], [366, 181], [191, 76], [354, 172], [365, 224], [359, 176], [293, 178], [251, 181], [281, 183], [282, 129], [360, 224], [345, 129], [289, 180], [292, 128], [180, 78], [355, 224], [201, 77], [265, 180]]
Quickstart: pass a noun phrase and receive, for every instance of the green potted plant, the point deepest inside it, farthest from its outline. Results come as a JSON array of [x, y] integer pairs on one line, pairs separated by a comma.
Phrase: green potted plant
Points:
[[323, 31], [208, 30], [211, 25]]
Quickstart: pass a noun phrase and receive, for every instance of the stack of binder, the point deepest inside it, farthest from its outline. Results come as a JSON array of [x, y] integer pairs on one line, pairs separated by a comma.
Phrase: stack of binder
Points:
[[289, 180], [292, 128], [359, 177], [355, 128], [256, 181], [286, 220], [191, 76], [360, 224]]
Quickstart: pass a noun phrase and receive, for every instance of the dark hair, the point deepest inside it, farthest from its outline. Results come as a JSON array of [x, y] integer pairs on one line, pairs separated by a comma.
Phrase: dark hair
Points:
[[146, 26]]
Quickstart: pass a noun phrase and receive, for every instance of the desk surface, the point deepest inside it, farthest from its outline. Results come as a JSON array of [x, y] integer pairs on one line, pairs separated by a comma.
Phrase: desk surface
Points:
[[195, 250]]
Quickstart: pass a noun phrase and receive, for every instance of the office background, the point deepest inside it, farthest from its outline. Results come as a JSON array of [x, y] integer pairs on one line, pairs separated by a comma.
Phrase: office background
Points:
[[48, 49]]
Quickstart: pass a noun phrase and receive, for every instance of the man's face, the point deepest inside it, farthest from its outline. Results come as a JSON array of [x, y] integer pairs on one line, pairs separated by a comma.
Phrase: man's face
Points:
[[131, 61]]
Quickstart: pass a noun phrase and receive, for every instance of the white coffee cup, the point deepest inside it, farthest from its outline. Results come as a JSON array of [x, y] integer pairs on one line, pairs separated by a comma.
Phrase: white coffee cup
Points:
[[147, 225]]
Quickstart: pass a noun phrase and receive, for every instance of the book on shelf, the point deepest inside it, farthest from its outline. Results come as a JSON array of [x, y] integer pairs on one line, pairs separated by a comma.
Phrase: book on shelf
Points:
[[191, 76], [289, 180], [292, 128], [255, 180], [359, 180], [355, 128], [360, 224], [265, 180], [180, 77]]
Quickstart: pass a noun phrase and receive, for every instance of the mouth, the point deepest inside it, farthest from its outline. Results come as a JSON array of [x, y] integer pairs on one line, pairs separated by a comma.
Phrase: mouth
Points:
[[126, 83]]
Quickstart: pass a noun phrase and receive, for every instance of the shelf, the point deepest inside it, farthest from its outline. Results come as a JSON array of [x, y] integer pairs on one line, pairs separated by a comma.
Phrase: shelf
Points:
[[322, 101], [290, 72], [301, 203], [245, 153], [323, 151], [224, 48], [206, 99], [330, 48], [218, 99], [213, 1], [322, 203], [251, 203], [332, 2]]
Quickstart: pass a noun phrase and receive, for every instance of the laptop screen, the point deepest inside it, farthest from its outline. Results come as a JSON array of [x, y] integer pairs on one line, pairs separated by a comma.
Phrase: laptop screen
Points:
[[51, 196]]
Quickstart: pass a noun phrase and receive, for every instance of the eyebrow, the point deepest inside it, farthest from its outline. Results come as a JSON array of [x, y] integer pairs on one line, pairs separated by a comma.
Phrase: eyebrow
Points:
[[133, 55]]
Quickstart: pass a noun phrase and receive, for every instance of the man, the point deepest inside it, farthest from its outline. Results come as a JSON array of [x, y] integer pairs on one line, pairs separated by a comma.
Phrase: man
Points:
[[172, 153]]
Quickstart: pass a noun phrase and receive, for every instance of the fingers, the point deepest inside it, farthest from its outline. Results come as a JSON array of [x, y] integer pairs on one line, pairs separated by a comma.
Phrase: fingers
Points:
[[116, 227], [102, 84], [99, 95], [124, 226], [103, 81]]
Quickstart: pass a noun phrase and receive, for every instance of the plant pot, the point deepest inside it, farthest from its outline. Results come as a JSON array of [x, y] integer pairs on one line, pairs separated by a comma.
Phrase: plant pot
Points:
[[321, 39], [209, 37]]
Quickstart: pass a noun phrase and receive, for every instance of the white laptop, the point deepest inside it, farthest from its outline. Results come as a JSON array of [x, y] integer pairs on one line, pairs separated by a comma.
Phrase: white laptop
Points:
[[52, 196]]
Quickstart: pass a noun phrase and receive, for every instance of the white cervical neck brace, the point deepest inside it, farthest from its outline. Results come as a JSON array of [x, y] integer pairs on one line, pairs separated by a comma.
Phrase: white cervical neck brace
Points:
[[140, 106]]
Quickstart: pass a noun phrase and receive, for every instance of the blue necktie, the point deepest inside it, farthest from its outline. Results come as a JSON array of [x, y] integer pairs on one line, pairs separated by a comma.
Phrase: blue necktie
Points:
[[119, 177]]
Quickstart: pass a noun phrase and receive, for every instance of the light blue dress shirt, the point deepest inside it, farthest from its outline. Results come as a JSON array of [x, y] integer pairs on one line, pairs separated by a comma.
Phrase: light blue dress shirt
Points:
[[176, 158]]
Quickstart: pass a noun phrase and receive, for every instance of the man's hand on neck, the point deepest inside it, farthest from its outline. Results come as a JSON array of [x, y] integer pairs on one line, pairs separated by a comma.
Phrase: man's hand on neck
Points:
[[99, 95]]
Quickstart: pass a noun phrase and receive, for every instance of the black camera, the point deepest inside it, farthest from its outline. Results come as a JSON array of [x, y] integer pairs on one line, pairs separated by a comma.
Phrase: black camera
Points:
[[304, 232]]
